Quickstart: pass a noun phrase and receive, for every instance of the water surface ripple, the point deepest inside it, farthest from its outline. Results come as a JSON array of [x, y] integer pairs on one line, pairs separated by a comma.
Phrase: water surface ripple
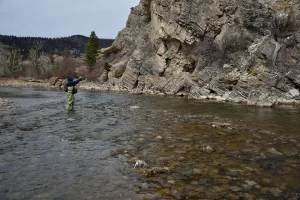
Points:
[[211, 150]]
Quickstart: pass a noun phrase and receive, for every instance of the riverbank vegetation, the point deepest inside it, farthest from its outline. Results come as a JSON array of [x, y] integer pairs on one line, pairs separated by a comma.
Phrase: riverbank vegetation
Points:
[[44, 58]]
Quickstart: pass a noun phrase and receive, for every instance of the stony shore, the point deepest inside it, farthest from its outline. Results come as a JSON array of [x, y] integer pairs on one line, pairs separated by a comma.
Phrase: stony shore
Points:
[[47, 83], [56, 83]]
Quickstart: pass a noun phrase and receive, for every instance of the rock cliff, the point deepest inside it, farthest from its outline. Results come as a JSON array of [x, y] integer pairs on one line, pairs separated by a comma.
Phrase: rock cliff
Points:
[[236, 50]]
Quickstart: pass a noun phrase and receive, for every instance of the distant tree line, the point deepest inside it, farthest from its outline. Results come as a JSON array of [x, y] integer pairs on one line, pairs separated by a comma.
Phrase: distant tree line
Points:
[[39, 57], [75, 44]]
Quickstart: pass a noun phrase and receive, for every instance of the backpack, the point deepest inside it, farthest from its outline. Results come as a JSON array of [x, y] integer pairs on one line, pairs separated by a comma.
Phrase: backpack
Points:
[[74, 90], [65, 87]]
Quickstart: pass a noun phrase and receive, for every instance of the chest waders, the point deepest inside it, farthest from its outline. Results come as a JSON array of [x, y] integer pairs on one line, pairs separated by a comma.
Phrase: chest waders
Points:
[[71, 99]]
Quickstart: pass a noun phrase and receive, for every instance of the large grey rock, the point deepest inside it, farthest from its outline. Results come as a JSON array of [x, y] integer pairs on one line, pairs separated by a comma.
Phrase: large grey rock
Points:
[[241, 50], [294, 92], [294, 76]]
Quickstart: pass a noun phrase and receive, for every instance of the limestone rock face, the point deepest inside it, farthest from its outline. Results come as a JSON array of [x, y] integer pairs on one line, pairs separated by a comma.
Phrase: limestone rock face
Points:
[[239, 50]]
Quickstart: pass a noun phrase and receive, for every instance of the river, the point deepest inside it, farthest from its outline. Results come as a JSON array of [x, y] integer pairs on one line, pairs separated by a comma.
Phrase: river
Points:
[[193, 149]]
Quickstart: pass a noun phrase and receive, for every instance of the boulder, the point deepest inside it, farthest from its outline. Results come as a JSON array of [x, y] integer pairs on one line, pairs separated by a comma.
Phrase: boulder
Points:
[[53, 80], [294, 92]]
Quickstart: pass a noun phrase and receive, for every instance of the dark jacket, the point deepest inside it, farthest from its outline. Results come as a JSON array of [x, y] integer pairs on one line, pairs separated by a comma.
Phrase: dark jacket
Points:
[[71, 82]]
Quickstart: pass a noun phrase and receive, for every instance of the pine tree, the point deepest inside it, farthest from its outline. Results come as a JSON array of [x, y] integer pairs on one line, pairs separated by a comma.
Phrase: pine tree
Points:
[[35, 61], [14, 59], [91, 50]]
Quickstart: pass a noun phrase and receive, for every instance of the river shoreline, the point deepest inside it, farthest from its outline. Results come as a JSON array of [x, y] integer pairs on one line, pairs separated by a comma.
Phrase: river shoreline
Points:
[[92, 86], [192, 150]]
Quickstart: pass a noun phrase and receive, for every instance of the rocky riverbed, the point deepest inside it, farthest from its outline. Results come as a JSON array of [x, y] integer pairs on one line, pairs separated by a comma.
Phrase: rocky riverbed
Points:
[[191, 149]]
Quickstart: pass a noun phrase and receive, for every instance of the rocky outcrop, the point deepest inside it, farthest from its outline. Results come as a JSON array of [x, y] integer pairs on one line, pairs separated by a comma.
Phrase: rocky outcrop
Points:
[[238, 50]]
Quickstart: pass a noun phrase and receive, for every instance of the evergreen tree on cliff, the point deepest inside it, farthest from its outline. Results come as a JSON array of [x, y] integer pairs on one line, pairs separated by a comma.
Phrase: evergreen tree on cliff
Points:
[[91, 50]]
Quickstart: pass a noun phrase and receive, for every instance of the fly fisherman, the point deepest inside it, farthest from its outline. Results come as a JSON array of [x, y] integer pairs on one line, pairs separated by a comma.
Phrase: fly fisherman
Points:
[[71, 91]]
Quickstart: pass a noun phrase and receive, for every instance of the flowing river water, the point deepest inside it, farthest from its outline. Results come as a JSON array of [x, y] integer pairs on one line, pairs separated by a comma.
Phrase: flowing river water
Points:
[[204, 150]]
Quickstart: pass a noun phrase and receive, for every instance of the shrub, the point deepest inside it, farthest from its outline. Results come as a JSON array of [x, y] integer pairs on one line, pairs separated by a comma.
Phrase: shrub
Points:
[[107, 52], [93, 75]]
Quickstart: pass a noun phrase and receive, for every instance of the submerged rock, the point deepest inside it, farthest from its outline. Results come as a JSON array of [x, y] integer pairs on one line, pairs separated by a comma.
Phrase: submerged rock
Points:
[[153, 171], [134, 107], [70, 119], [274, 152], [198, 171], [235, 189], [250, 184], [140, 164], [5, 104], [159, 138], [220, 124], [145, 186], [207, 149]]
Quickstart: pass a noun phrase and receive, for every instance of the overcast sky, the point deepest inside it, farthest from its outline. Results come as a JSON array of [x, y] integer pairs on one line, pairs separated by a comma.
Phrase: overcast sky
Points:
[[60, 18]]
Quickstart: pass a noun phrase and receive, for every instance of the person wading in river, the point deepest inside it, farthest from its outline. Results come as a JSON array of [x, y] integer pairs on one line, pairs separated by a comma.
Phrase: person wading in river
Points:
[[71, 91]]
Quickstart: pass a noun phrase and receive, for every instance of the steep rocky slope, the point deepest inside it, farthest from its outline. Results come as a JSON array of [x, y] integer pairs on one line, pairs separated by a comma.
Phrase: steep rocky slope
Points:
[[240, 50]]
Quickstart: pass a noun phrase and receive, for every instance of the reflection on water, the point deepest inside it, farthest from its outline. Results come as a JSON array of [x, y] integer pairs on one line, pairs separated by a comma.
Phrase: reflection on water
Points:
[[212, 150]]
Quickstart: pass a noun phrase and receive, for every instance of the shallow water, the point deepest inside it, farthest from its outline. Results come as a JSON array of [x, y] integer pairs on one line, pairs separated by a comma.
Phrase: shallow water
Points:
[[212, 150]]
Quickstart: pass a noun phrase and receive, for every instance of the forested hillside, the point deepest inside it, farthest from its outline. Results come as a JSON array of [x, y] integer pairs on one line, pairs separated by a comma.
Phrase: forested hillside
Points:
[[75, 44]]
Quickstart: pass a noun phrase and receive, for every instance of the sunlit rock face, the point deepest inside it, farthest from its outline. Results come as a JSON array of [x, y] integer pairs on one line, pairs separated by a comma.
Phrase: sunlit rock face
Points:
[[239, 50]]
